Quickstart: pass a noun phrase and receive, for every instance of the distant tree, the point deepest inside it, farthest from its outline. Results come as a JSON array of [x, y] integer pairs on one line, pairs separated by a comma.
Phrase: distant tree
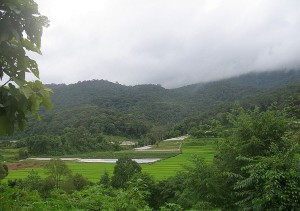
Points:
[[105, 180], [79, 181], [32, 182], [204, 186], [124, 169], [21, 28], [74, 182], [44, 144], [168, 190], [293, 107], [144, 184], [3, 170], [157, 133], [56, 169], [22, 153]]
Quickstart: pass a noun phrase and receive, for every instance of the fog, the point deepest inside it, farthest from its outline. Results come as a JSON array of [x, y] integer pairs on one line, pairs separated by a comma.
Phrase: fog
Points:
[[169, 42]]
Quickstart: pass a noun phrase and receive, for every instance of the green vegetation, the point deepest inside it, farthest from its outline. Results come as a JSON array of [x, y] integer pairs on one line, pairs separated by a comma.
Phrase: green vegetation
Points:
[[21, 30], [3, 171], [255, 165], [128, 153], [8, 154], [171, 163], [56, 169], [237, 155], [243, 153], [22, 173], [124, 170], [104, 108], [205, 148]]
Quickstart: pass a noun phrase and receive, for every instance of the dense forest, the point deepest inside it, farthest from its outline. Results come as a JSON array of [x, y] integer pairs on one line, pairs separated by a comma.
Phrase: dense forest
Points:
[[90, 109]]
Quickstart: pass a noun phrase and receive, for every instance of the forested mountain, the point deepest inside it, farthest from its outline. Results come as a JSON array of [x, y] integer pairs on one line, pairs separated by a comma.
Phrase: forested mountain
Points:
[[101, 106], [270, 79]]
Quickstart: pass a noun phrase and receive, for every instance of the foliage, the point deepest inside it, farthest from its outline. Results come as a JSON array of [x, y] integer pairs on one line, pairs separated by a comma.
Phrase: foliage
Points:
[[3, 170], [75, 140], [293, 108], [144, 184], [272, 182], [22, 154], [74, 182], [92, 198], [203, 186], [56, 169], [113, 109], [32, 182], [124, 169], [171, 162], [21, 27], [105, 180], [239, 178], [255, 131], [167, 191], [260, 161], [19, 199], [256, 166], [171, 207]]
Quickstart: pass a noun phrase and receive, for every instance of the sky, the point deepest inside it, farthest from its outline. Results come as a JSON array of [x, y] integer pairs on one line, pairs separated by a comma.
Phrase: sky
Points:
[[168, 42]]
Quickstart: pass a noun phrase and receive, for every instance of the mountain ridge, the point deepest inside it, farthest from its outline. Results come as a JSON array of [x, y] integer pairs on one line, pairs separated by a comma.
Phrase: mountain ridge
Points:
[[105, 107]]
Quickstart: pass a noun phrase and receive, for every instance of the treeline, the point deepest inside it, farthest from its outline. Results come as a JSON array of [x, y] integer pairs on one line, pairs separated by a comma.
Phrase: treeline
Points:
[[91, 118], [74, 141]]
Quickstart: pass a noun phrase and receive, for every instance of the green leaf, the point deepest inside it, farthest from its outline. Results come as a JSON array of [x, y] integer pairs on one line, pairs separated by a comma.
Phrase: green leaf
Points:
[[4, 35], [18, 81], [26, 91], [34, 68], [21, 27], [30, 46], [21, 121], [13, 8], [6, 126]]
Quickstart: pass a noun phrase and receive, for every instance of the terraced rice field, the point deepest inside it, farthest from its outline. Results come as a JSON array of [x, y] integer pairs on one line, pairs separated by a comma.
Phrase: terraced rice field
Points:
[[9, 154], [169, 167], [93, 171], [161, 170]]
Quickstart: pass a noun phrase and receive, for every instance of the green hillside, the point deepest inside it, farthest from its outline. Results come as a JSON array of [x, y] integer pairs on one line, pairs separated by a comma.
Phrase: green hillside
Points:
[[149, 112]]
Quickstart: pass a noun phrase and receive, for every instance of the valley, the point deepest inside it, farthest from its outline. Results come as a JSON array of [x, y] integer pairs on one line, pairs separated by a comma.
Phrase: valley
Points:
[[149, 105], [161, 169], [100, 134]]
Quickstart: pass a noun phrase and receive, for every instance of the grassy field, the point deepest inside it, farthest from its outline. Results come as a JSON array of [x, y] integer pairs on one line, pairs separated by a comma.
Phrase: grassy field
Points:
[[131, 153], [204, 148], [8, 154], [160, 170]]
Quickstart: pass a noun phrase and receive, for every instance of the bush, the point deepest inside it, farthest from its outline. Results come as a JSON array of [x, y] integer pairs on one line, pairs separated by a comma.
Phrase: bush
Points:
[[75, 182], [22, 154]]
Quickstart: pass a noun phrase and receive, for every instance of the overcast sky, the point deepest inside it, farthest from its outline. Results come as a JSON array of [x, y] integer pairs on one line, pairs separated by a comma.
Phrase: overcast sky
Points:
[[167, 42]]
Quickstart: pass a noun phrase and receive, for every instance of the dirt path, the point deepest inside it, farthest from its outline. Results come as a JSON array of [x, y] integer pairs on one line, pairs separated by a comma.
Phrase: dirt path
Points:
[[18, 166]]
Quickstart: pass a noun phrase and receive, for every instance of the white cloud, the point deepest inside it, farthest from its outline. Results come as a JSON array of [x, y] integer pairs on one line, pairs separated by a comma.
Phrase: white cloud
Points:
[[170, 42]]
